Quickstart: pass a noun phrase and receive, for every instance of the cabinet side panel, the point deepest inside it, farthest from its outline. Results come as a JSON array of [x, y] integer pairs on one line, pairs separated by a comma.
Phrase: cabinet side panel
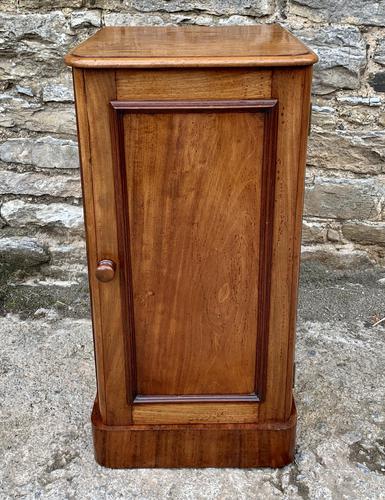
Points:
[[89, 217], [292, 89], [305, 117], [100, 90]]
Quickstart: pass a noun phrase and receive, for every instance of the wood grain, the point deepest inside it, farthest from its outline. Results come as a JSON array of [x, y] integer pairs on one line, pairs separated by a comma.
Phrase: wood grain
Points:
[[191, 46], [266, 190], [89, 218], [305, 112], [194, 214], [196, 105], [195, 413], [268, 444], [108, 308], [222, 83], [291, 87], [200, 208], [180, 106]]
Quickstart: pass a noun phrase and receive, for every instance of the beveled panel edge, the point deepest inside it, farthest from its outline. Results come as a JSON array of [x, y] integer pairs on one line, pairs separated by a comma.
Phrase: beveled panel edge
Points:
[[269, 168], [124, 250], [307, 59], [166, 106], [197, 398]]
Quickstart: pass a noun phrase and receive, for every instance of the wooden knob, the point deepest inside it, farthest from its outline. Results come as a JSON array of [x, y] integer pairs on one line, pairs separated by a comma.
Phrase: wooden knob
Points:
[[105, 270]]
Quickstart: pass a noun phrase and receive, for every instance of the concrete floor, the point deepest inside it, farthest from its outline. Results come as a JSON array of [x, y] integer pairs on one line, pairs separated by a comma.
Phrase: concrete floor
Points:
[[47, 387]]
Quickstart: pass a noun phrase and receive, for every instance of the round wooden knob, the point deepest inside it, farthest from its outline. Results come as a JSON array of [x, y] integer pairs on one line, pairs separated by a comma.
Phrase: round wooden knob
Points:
[[105, 270]]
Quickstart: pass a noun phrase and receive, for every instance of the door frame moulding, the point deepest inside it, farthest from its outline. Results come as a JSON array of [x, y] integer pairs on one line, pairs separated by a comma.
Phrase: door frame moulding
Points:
[[270, 109]]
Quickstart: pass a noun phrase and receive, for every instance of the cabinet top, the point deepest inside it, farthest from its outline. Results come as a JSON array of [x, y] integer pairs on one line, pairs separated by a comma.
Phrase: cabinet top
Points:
[[191, 46]]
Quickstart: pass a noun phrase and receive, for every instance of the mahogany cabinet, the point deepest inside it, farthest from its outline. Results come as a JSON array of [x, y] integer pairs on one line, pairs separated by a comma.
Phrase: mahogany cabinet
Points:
[[193, 144]]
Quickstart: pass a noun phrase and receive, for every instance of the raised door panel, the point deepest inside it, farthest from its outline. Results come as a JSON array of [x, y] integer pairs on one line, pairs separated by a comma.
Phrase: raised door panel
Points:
[[194, 205], [195, 180]]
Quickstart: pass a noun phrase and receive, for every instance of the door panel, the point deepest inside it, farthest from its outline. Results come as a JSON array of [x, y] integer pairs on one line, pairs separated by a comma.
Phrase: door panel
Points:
[[197, 184], [194, 196]]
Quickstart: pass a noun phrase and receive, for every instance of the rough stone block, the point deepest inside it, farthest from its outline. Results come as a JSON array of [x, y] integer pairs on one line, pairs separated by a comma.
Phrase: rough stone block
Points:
[[24, 90], [17, 112], [342, 57], [22, 252], [39, 184], [68, 252], [50, 4], [41, 34], [360, 117], [8, 102], [342, 199], [58, 92], [342, 257], [86, 18], [125, 19], [365, 233], [368, 12], [372, 101], [333, 235], [352, 150], [58, 120], [234, 20], [18, 213], [46, 152], [323, 116], [313, 232], [7, 5], [377, 81], [379, 53], [217, 7], [31, 66], [120, 5], [182, 11]]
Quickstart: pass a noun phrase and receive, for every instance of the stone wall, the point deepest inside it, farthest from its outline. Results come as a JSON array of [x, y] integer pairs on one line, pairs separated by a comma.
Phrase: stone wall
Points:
[[41, 226]]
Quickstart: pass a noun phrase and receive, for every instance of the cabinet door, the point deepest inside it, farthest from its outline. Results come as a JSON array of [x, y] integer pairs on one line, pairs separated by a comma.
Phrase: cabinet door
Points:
[[194, 185]]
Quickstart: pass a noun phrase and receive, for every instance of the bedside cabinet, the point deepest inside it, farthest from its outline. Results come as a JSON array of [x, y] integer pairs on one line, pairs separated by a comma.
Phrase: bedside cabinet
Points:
[[193, 144]]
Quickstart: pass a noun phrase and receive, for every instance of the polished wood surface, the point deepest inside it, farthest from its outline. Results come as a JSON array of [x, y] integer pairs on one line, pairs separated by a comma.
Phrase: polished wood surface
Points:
[[265, 444], [266, 193], [223, 83], [94, 90], [191, 46], [193, 186], [105, 270], [195, 412], [194, 213], [292, 89]]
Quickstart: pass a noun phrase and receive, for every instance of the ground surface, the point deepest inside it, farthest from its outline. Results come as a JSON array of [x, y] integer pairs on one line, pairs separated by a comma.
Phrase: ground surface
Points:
[[47, 387]]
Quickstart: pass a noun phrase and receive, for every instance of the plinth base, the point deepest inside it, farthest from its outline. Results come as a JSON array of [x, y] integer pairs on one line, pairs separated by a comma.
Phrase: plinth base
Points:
[[195, 445]]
